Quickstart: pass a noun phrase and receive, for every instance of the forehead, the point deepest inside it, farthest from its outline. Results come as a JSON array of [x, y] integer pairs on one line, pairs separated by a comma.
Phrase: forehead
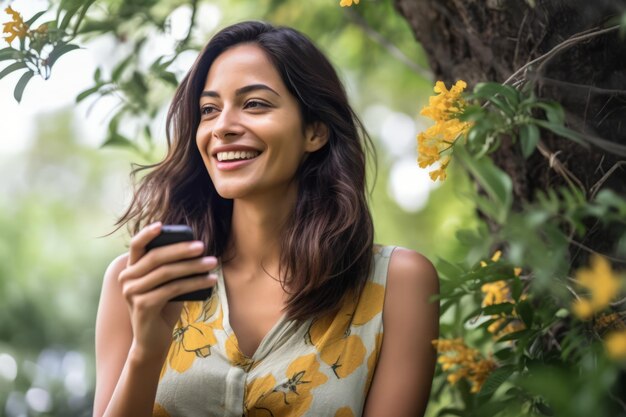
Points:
[[241, 65]]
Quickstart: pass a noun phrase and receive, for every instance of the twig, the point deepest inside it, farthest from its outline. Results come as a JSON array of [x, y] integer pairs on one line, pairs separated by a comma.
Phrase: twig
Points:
[[596, 187], [558, 165], [591, 88], [558, 48], [588, 249], [388, 45]]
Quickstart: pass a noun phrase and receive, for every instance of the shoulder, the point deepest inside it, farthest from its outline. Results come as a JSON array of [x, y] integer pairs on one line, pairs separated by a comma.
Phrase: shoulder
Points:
[[411, 271], [116, 266]]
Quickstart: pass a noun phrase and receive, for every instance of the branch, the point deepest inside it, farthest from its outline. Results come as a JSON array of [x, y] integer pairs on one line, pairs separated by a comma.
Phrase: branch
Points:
[[568, 43], [386, 44]]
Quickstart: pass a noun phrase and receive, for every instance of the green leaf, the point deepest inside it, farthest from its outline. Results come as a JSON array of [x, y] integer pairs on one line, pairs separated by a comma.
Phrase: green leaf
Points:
[[496, 183], [489, 90], [59, 50], [119, 69], [495, 379], [554, 111], [97, 75], [70, 12], [115, 139], [9, 53], [516, 335], [529, 137], [86, 93], [13, 67], [503, 105], [32, 20], [21, 84], [449, 270], [516, 288], [563, 131], [506, 308], [449, 411], [525, 311]]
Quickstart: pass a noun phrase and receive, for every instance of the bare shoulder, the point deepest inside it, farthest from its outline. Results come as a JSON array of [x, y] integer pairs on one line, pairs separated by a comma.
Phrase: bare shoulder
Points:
[[411, 271], [116, 266]]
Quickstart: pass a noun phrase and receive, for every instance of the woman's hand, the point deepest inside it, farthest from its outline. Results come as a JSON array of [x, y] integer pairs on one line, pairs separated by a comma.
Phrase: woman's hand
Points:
[[149, 281]]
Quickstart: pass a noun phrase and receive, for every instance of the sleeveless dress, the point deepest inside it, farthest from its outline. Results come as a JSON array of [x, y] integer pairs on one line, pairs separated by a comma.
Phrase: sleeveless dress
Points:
[[317, 367]]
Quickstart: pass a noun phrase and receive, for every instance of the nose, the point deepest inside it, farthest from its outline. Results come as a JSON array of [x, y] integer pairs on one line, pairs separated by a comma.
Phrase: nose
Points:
[[227, 124]]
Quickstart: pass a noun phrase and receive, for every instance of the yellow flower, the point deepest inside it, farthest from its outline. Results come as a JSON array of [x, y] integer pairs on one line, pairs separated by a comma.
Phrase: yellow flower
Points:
[[16, 28], [464, 362], [348, 3], [612, 321], [193, 335], [615, 344], [603, 285], [291, 396], [435, 142], [159, 411]]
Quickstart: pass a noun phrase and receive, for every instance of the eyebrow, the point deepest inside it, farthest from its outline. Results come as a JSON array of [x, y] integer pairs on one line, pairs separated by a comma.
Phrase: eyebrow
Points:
[[241, 91]]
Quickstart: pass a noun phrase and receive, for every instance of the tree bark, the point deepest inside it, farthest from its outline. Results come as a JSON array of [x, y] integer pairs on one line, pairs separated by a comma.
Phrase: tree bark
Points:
[[488, 40]]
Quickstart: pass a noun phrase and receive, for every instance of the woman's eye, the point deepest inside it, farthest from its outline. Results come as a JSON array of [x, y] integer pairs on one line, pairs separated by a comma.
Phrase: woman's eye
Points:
[[207, 110], [255, 104]]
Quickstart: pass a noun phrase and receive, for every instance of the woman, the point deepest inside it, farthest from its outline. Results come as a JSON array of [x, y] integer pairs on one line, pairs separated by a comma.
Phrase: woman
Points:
[[266, 164]]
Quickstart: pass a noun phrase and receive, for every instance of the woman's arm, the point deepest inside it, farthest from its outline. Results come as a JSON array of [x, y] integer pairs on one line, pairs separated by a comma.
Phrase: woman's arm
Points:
[[135, 321], [403, 376]]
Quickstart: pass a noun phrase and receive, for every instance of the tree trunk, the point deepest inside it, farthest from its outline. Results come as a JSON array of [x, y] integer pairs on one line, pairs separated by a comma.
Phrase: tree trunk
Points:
[[488, 40]]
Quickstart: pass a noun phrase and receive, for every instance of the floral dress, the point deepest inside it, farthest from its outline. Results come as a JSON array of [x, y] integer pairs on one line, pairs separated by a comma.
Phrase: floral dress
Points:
[[317, 367]]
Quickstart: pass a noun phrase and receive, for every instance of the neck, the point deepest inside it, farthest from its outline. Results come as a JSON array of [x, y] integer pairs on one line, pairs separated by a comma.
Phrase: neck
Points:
[[256, 227]]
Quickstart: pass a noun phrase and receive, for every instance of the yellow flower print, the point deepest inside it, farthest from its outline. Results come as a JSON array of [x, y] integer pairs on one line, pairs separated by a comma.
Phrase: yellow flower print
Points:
[[371, 362], [194, 335], [603, 285], [344, 356], [16, 28], [290, 398], [235, 356], [348, 3], [344, 412], [159, 411], [370, 303], [326, 329]]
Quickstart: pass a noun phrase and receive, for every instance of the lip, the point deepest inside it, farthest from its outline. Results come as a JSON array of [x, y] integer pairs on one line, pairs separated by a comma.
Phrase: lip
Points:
[[231, 165]]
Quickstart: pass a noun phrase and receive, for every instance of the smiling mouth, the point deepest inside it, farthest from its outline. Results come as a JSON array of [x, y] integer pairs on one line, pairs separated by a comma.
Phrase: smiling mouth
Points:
[[236, 155]]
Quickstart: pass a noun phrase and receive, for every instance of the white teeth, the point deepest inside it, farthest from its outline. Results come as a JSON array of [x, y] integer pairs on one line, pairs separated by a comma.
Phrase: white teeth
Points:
[[229, 156]]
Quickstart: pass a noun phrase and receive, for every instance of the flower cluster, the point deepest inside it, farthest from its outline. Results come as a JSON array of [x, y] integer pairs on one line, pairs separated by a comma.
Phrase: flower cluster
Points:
[[603, 285], [348, 3], [464, 362], [16, 28], [498, 292], [435, 144]]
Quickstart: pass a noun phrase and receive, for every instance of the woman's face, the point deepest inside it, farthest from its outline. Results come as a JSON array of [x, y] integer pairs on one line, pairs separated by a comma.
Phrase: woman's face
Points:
[[250, 134]]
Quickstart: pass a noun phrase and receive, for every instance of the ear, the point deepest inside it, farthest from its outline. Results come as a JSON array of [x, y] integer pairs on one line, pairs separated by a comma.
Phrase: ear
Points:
[[316, 136]]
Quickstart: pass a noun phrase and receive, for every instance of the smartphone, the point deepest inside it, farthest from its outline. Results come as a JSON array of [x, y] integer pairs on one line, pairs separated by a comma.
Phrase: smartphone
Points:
[[175, 233]]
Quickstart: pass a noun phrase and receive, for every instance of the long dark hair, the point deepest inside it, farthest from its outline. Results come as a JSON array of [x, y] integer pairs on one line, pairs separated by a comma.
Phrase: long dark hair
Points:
[[327, 242]]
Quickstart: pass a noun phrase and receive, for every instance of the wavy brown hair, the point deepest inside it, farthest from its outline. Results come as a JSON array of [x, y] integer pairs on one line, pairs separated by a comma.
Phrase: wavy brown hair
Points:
[[326, 244]]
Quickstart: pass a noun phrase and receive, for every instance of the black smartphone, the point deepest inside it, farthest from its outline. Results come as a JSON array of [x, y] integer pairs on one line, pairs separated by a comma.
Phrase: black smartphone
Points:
[[175, 233]]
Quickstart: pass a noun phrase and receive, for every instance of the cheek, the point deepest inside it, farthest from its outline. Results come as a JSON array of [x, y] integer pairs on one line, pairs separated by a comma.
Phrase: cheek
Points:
[[202, 140]]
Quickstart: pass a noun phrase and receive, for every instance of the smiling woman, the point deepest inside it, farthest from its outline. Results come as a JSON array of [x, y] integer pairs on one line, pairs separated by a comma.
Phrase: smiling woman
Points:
[[307, 317]]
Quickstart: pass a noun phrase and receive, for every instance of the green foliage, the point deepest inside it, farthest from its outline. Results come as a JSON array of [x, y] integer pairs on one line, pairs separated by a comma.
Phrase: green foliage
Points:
[[519, 310]]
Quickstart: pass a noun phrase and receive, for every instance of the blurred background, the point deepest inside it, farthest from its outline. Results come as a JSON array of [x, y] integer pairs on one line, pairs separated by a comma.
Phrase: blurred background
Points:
[[61, 191]]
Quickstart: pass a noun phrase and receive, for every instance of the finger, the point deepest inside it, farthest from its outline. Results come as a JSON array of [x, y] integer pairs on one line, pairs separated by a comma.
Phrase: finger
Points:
[[156, 300], [158, 257], [140, 240], [166, 273]]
